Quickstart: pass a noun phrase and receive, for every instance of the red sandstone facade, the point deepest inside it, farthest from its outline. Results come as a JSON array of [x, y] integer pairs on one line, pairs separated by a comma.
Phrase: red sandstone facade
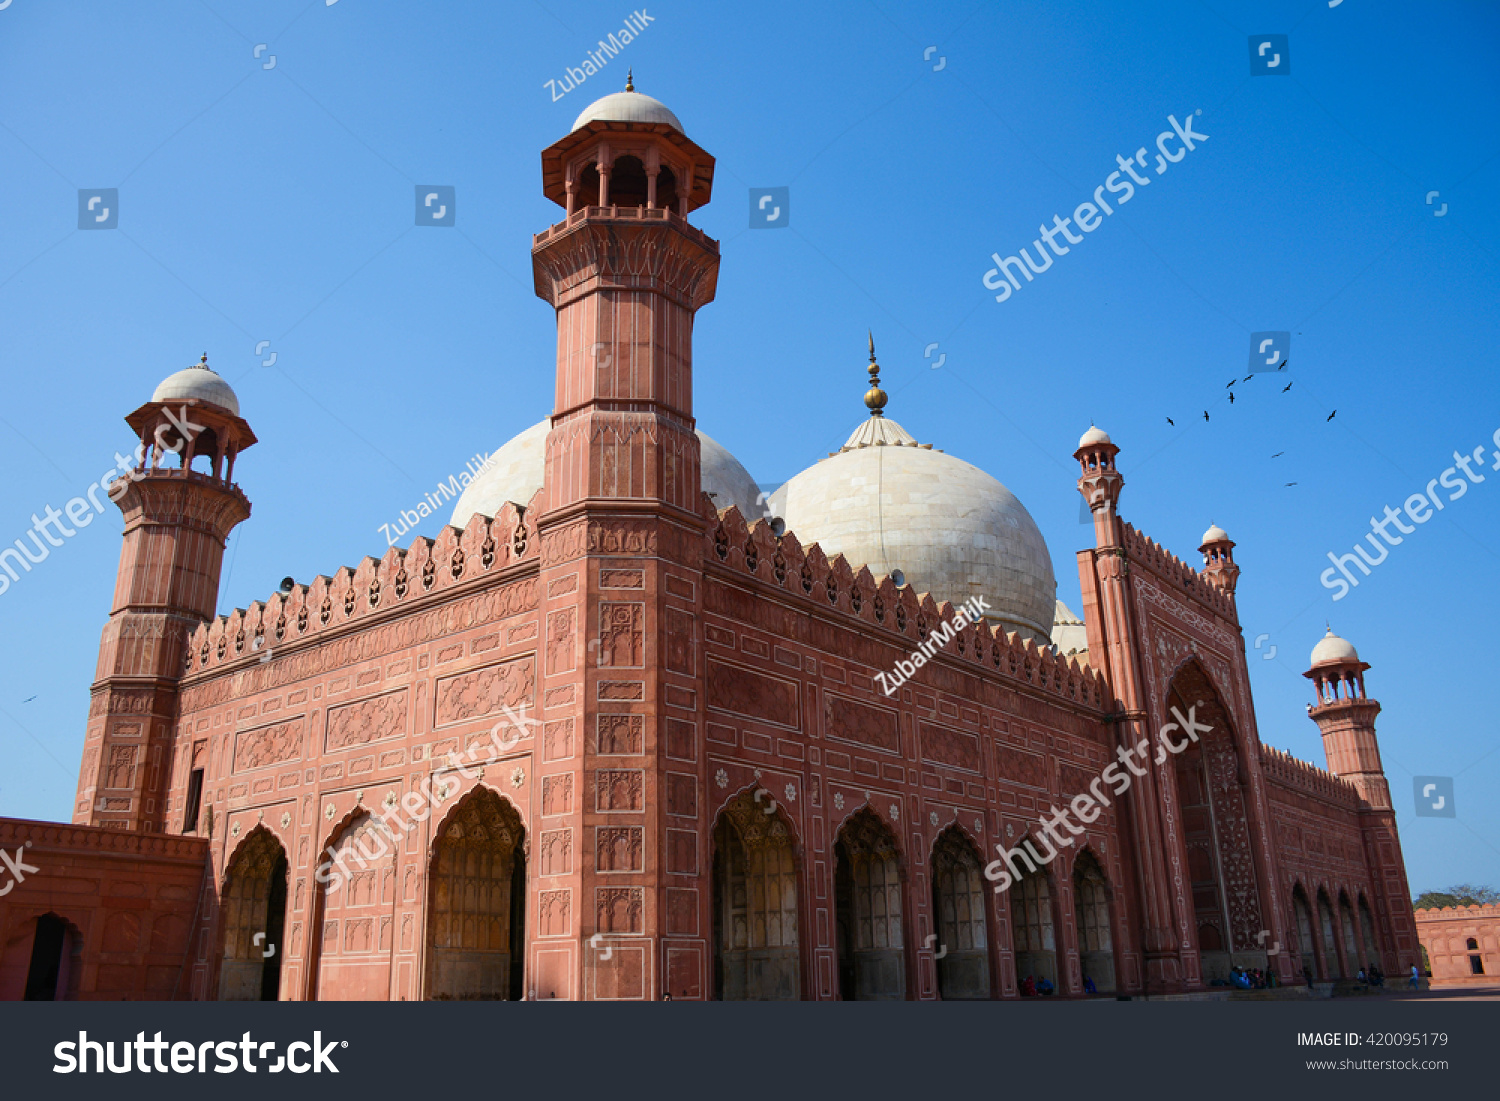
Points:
[[1463, 944], [716, 800]]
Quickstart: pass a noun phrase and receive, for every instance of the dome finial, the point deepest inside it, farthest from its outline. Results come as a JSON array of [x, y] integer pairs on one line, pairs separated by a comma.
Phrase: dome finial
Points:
[[203, 363], [875, 397], [630, 80]]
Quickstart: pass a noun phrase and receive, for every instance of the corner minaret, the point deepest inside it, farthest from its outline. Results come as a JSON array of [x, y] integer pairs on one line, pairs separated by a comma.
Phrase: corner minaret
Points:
[[1218, 559], [1346, 716], [1100, 483], [622, 523], [177, 520], [626, 273]]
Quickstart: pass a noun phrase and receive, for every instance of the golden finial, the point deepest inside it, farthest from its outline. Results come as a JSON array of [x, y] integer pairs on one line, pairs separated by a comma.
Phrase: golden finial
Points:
[[630, 80], [875, 397], [203, 362]]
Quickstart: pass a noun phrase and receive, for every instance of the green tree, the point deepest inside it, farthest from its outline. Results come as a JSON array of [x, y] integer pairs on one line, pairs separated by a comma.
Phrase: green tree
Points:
[[1460, 894]]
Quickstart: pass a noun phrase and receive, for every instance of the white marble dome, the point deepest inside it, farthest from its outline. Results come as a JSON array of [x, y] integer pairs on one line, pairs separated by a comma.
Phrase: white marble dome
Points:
[[628, 107], [888, 502], [200, 383], [1093, 436], [1331, 649], [1214, 534], [517, 471]]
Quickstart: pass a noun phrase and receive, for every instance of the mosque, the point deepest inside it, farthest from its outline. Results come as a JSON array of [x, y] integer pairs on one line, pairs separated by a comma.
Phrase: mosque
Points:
[[617, 732]]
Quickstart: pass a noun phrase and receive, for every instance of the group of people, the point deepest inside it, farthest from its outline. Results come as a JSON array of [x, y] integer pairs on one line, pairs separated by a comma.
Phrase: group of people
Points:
[[1373, 977], [1249, 978], [1034, 986]]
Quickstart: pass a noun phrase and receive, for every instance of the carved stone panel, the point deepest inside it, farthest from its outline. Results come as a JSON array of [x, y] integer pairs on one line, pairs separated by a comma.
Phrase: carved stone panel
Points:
[[743, 691], [483, 692], [269, 745], [618, 849], [367, 721], [621, 734], [622, 637], [618, 789], [851, 721]]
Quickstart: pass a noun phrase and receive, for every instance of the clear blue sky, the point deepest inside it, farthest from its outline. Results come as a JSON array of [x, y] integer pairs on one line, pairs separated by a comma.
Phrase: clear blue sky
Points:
[[277, 204]]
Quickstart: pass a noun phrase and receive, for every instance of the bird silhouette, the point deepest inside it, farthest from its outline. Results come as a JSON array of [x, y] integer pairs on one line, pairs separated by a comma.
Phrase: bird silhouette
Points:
[[28, 699], [1247, 378], [1231, 397], [1278, 454], [1287, 387], [1291, 483], [1332, 415], [1205, 414], [1284, 362], [1230, 383], [1171, 422]]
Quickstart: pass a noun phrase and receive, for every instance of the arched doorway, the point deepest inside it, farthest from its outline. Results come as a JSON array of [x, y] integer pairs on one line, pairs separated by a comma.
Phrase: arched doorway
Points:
[[958, 898], [1031, 925], [1214, 802], [1332, 965], [476, 935], [755, 905], [1091, 908], [868, 911], [1367, 924], [52, 973], [352, 947], [254, 918], [1351, 945], [1305, 943]]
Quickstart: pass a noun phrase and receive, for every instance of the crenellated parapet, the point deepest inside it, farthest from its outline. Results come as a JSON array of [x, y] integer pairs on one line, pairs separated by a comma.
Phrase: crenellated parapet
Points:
[[422, 573], [905, 617], [1147, 552], [1284, 770]]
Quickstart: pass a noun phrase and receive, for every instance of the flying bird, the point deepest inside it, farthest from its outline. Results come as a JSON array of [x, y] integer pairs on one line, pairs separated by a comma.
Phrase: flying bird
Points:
[[1332, 415], [1291, 483], [1205, 414], [1171, 422], [1231, 397], [1287, 387], [1230, 383], [28, 699], [1278, 454], [1283, 364], [1247, 378]]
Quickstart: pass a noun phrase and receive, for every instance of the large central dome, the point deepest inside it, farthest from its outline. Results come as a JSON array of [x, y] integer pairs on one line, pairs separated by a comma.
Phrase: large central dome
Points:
[[886, 501]]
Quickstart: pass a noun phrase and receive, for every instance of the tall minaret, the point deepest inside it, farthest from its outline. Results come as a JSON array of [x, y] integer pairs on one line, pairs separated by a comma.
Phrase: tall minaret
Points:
[[621, 889], [180, 504], [1218, 558], [1108, 610], [1346, 717]]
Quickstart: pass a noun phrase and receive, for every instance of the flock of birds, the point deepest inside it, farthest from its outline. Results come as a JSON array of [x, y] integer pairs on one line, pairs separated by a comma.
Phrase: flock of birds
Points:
[[1241, 381]]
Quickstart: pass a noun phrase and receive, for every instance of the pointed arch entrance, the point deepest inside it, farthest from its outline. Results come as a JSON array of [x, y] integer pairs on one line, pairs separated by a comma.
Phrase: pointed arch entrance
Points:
[[254, 913], [351, 958], [1213, 798], [52, 972], [1367, 926], [476, 909], [1096, 950], [869, 911], [958, 897], [1305, 941], [1031, 923], [1333, 965], [756, 955]]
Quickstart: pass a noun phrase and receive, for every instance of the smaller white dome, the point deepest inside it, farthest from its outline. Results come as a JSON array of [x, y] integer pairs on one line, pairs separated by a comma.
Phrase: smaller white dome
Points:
[[628, 107], [198, 383], [1214, 534], [1332, 649], [1094, 435]]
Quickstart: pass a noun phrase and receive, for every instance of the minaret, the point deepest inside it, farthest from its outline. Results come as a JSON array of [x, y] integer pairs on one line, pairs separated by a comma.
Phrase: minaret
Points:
[[1346, 717], [623, 781], [177, 520], [1104, 573], [1218, 559]]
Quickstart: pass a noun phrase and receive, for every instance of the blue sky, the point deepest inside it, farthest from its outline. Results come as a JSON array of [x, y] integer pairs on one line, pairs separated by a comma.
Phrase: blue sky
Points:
[[276, 204]]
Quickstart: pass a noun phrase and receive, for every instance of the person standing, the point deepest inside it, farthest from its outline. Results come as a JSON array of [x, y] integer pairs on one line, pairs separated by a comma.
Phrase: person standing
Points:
[[1415, 981]]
